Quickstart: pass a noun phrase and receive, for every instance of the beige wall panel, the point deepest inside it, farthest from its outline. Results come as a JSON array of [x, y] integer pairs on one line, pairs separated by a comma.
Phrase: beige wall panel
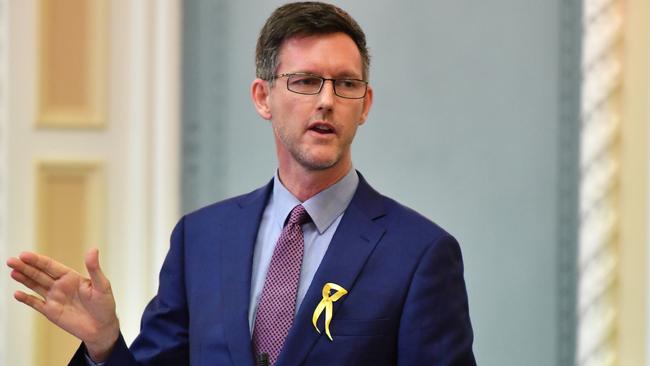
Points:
[[69, 208], [72, 77], [634, 185]]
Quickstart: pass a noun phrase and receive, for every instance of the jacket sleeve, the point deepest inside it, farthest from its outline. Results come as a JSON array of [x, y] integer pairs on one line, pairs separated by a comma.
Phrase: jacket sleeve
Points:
[[163, 338], [120, 356], [435, 327]]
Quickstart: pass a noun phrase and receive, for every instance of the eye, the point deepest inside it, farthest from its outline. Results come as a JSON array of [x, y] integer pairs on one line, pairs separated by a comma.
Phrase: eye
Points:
[[304, 81], [348, 83]]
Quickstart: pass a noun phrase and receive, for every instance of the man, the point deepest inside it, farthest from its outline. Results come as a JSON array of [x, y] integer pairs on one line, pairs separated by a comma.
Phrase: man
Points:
[[315, 268]]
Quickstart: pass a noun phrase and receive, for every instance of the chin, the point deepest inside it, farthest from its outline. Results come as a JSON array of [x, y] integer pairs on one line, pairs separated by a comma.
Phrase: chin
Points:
[[317, 162], [318, 165]]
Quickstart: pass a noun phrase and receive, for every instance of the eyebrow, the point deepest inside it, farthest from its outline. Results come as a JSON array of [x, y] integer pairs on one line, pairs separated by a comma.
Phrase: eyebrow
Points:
[[343, 75]]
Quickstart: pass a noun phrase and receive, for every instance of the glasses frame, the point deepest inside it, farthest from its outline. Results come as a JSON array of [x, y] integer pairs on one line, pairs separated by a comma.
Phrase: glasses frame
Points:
[[322, 82]]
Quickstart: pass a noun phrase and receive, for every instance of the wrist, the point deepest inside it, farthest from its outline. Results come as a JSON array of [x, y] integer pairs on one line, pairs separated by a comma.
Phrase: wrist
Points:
[[100, 350]]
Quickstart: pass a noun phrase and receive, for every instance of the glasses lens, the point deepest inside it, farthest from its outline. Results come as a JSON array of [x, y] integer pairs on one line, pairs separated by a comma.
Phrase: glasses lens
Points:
[[304, 84], [350, 88]]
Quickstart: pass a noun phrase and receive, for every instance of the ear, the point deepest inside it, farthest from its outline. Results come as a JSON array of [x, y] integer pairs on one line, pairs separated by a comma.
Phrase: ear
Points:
[[367, 103], [260, 90]]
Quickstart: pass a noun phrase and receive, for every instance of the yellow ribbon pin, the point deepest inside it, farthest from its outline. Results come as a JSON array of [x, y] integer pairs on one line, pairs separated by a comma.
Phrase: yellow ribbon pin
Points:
[[326, 304]]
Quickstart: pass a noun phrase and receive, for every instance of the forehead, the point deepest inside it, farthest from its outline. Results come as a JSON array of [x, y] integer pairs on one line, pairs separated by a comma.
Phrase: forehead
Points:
[[334, 53]]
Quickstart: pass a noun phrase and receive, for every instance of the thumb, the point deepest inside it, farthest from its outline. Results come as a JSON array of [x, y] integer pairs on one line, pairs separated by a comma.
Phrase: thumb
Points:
[[97, 278]]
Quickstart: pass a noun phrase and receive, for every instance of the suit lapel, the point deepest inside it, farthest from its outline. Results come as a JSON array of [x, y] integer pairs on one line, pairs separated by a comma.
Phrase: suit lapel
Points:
[[238, 242], [354, 240]]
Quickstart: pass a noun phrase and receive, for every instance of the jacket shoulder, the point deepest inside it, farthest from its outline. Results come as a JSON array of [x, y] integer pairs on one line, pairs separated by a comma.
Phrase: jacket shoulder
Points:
[[392, 215], [404, 218], [224, 208]]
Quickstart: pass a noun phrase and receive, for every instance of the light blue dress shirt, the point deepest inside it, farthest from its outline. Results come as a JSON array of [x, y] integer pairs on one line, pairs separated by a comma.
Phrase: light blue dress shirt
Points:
[[325, 209]]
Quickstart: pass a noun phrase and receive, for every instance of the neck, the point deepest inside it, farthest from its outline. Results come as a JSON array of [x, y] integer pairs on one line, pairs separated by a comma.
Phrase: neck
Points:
[[304, 184]]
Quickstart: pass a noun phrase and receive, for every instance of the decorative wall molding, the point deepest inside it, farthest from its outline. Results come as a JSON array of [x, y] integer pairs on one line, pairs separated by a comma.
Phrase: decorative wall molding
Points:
[[599, 171], [71, 205], [72, 63], [139, 154]]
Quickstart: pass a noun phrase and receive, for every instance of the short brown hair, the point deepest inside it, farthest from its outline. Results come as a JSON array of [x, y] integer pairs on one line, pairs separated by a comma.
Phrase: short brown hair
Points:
[[304, 19]]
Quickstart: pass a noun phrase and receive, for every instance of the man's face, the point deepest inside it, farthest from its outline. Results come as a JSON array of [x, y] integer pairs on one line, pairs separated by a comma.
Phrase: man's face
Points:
[[316, 131]]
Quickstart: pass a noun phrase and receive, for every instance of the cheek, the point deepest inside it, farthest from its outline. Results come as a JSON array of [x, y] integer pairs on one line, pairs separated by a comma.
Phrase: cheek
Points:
[[353, 117], [349, 132], [289, 110]]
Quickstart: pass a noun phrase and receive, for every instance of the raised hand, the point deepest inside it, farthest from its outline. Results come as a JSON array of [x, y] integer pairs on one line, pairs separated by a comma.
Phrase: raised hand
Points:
[[83, 307]]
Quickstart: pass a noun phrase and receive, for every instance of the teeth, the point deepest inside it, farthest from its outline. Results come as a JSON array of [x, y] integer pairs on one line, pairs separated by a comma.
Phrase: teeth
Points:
[[322, 128]]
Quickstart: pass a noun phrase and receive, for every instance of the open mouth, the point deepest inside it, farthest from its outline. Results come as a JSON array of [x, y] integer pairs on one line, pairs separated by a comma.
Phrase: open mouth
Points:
[[322, 128]]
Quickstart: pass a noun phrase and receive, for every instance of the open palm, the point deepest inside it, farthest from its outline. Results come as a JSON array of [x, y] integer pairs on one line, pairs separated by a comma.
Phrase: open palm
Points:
[[84, 307]]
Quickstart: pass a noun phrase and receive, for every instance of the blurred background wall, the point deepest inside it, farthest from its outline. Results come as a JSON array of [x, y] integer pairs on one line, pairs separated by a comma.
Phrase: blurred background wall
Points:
[[478, 123], [467, 127]]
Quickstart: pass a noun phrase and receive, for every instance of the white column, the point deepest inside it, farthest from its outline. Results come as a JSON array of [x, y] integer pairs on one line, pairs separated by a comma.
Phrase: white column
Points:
[[165, 90], [129, 256], [149, 42]]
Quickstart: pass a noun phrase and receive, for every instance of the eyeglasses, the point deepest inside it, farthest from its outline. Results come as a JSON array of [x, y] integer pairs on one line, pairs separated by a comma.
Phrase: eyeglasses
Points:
[[303, 83]]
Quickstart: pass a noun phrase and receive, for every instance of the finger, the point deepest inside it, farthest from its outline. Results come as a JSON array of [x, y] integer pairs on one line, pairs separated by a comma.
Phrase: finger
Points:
[[29, 283], [44, 263], [39, 276], [31, 301], [97, 278]]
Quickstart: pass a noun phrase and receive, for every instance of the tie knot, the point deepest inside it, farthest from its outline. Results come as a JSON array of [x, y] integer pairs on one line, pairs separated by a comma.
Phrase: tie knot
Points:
[[298, 216]]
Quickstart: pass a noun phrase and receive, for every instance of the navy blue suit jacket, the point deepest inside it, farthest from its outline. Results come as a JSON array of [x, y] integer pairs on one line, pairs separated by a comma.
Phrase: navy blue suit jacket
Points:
[[407, 302]]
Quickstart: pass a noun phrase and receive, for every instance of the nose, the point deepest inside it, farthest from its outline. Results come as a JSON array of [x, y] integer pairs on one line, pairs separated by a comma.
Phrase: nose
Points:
[[326, 95]]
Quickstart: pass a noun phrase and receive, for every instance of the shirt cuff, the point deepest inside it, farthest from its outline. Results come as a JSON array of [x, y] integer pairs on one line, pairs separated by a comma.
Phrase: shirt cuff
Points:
[[90, 361]]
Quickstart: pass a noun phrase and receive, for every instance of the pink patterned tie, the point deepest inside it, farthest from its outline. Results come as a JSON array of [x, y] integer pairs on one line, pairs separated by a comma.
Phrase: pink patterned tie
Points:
[[278, 301]]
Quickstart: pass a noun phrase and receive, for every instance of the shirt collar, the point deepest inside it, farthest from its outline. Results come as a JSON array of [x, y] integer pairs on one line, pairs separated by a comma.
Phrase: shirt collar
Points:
[[323, 208]]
